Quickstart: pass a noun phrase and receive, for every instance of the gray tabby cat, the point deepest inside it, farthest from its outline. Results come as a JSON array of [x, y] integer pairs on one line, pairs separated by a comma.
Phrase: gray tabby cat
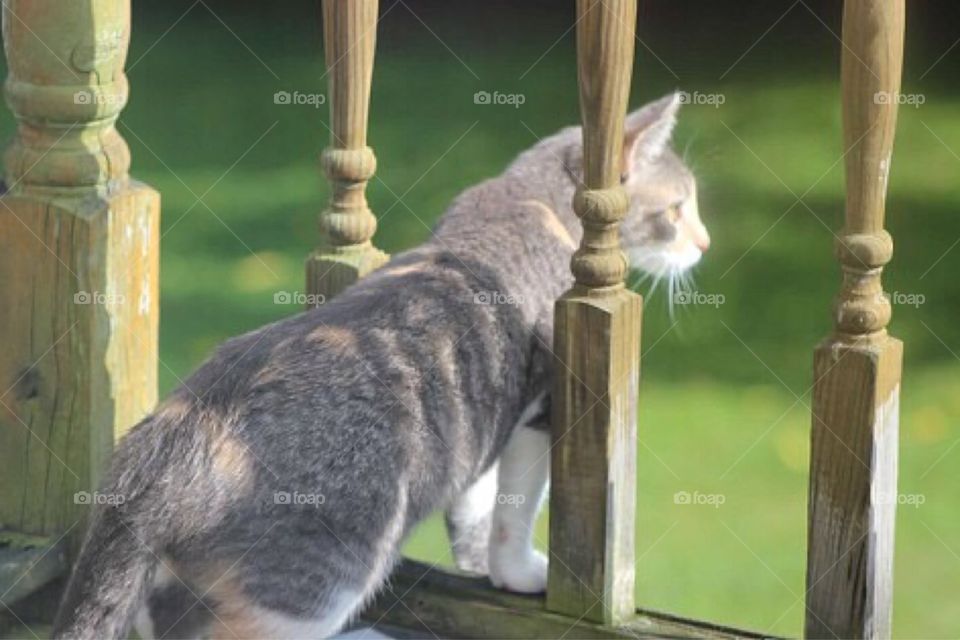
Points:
[[269, 496]]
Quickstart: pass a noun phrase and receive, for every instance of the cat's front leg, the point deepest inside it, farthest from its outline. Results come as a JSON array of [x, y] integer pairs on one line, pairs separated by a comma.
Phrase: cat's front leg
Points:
[[469, 520], [515, 564]]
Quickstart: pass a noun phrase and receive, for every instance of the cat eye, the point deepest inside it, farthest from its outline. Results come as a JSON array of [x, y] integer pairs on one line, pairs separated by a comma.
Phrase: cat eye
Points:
[[673, 213]]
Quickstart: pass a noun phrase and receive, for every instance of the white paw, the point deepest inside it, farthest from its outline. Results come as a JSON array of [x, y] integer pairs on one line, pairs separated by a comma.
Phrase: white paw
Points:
[[524, 572]]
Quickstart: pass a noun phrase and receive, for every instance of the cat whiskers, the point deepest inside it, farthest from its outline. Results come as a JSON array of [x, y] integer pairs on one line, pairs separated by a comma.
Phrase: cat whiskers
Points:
[[679, 283]]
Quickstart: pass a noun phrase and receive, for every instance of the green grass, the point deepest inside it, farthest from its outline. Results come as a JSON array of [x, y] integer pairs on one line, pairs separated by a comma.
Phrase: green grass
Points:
[[724, 404]]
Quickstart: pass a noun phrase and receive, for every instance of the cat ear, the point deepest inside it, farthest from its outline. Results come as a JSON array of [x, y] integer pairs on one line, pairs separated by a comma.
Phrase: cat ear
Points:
[[647, 131]]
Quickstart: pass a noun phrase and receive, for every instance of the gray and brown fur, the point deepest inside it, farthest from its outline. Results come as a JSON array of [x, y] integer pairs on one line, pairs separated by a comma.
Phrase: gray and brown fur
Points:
[[388, 402]]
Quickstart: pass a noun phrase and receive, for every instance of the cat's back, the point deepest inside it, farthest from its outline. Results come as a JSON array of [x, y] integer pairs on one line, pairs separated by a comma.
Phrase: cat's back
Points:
[[417, 342]]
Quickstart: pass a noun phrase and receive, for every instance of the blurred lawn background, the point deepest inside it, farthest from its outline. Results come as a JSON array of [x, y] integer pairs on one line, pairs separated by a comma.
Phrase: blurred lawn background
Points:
[[725, 389]]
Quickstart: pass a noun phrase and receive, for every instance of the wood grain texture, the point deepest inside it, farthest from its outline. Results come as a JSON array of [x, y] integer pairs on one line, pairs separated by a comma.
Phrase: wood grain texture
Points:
[[79, 262], [597, 350], [347, 226], [854, 440], [605, 48], [428, 602]]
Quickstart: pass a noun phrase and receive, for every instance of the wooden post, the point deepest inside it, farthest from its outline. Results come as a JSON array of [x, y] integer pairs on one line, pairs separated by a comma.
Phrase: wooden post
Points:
[[78, 263], [597, 345], [348, 225], [853, 466]]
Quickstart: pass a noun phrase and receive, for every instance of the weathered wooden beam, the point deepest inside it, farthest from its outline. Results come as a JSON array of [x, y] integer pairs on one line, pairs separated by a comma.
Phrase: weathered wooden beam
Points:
[[347, 226], [427, 602], [597, 347], [853, 465], [78, 262], [28, 563]]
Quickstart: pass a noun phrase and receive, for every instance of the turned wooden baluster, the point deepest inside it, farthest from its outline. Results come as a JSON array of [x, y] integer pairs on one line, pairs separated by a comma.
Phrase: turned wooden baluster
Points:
[[853, 466], [348, 225], [597, 345], [78, 263]]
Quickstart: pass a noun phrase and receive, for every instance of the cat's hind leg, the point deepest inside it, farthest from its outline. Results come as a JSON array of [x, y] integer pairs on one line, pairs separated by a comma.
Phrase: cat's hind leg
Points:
[[469, 520], [304, 570], [173, 609], [515, 564], [239, 618]]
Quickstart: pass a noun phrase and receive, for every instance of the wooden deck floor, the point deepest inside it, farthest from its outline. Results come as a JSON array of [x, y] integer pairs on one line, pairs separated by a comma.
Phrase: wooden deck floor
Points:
[[420, 602]]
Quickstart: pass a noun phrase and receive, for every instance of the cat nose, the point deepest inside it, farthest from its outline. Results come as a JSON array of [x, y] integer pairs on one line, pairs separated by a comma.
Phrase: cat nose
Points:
[[703, 244]]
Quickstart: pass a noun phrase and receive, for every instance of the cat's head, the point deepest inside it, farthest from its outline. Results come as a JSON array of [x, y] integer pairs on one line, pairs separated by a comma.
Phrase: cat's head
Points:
[[662, 233]]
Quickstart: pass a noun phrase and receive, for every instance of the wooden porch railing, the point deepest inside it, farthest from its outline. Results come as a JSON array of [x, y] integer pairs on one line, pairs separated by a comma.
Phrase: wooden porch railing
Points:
[[80, 370], [597, 349], [856, 397], [79, 266], [347, 226]]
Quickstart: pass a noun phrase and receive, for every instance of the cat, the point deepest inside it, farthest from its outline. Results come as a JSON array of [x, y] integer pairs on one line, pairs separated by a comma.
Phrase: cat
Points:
[[269, 495]]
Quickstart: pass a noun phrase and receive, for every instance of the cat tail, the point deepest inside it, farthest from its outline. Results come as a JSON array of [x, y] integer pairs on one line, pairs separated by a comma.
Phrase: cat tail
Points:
[[110, 580], [126, 536]]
